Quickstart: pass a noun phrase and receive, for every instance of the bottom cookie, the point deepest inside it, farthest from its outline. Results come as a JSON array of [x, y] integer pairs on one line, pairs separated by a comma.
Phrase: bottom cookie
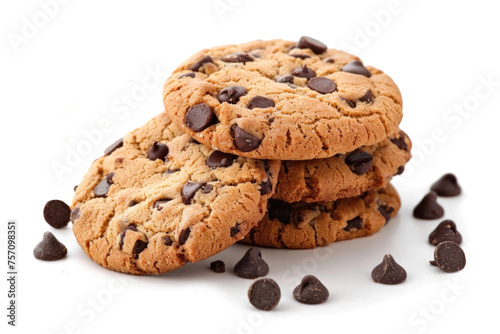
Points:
[[307, 225]]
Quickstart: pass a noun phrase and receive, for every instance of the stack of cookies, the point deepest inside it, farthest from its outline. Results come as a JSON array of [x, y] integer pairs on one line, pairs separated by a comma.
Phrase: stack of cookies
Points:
[[272, 143]]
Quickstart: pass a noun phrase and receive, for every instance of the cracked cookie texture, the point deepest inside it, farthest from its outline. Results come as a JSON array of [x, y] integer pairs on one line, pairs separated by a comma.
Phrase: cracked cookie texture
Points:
[[308, 225], [282, 100], [159, 199]]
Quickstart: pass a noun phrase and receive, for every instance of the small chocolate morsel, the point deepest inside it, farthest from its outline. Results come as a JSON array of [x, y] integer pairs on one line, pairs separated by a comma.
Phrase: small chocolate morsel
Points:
[[260, 102], [75, 214], [117, 144], [356, 67], [237, 58], [428, 208], [449, 257], [445, 231], [304, 72], [264, 294], [447, 186], [389, 271], [359, 162], [102, 188], [132, 203], [251, 265], [184, 235], [400, 141], [234, 230], [280, 210], [288, 78], [157, 151], [56, 213], [218, 266], [368, 97], [167, 241], [158, 205], [244, 141], [356, 223], [349, 102], [199, 117], [311, 291], [322, 85], [220, 159], [187, 75], [189, 190], [231, 94], [139, 247], [50, 249], [131, 227], [308, 42], [386, 212], [196, 66]]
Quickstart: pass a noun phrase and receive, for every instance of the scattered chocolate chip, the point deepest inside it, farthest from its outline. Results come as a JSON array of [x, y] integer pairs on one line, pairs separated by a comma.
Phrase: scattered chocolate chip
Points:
[[329, 60], [196, 66], [184, 235], [322, 85], [220, 159], [298, 55], [264, 294], [139, 247], [234, 230], [368, 97], [308, 42], [218, 266], [157, 151], [445, 231], [50, 249], [189, 190], [206, 189], [400, 171], [449, 257], [187, 75], [311, 291], [260, 102], [386, 212], [102, 188], [304, 72], [244, 141], [356, 67], [400, 142], [280, 210], [359, 162], [237, 58], [122, 233], [428, 208], [75, 214], [117, 144], [199, 117], [231, 94], [158, 205], [167, 241], [56, 213], [356, 223], [389, 271], [132, 203], [349, 102], [251, 265], [288, 78], [447, 186]]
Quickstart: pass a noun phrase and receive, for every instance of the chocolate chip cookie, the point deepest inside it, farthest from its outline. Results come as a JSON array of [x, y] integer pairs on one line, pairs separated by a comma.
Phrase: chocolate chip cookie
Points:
[[344, 175], [159, 199], [282, 100], [307, 225]]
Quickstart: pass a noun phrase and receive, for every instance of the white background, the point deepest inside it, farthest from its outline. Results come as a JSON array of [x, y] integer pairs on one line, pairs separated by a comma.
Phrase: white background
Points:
[[72, 74]]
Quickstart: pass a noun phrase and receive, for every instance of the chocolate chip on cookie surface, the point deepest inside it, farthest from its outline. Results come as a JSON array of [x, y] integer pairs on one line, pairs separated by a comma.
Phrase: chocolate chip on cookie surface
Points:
[[282, 100]]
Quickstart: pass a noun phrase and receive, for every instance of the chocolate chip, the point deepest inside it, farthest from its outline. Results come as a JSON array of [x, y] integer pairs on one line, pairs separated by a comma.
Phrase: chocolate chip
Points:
[[400, 141], [251, 265], [447, 186], [50, 249], [368, 97], [280, 210], [266, 186], [132, 203], [184, 235], [187, 75], [157, 151], [75, 187], [349, 102], [264, 294], [322, 85], [260, 102], [298, 55], [288, 78], [231, 94], [234, 230], [139, 247], [218, 266], [356, 67], [449, 257], [237, 58], [75, 214], [171, 171], [304, 72], [102, 188], [193, 141], [158, 205], [386, 212], [244, 141], [189, 190], [311, 291], [196, 66], [117, 144], [329, 60], [356, 223], [359, 162], [167, 241], [122, 234], [308, 42], [199, 117], [56, 213], [389, 271], [206, 189], [428, 208], [220, 159], [400, 171], [445, 231]]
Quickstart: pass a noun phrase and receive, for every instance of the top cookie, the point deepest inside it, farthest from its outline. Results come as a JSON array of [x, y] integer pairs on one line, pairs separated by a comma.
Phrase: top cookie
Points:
[[282, 100], [159, 199]]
